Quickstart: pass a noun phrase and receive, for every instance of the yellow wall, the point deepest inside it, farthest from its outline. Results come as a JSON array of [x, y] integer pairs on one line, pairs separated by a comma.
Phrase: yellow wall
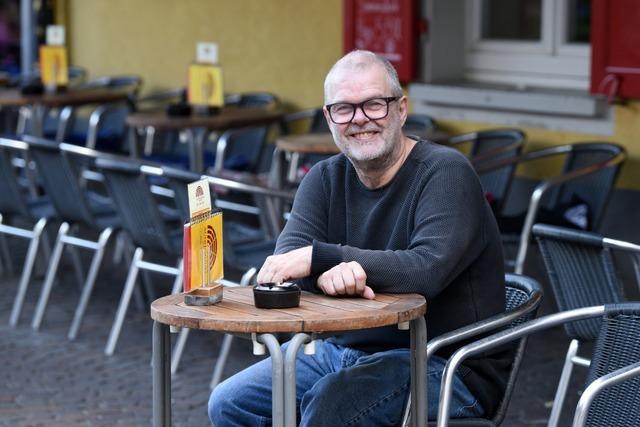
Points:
[[282, 46]]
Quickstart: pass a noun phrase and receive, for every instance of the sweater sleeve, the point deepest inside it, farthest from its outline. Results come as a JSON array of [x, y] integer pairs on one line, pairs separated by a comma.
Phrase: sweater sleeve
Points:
[[447, 235], [307, 222]]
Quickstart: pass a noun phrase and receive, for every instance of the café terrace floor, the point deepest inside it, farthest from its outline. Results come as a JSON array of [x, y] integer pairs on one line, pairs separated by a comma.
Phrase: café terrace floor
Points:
[[49, 381]]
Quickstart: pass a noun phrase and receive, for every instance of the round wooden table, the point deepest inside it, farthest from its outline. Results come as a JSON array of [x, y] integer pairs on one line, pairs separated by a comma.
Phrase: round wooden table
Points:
[[236, 313]]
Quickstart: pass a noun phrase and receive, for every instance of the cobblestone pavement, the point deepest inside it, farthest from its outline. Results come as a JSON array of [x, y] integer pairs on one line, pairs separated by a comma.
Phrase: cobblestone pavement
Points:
[[49, 381]]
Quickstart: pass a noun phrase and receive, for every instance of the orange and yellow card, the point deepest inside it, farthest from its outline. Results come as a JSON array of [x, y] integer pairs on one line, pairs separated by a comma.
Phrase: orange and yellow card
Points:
[[202, 249]]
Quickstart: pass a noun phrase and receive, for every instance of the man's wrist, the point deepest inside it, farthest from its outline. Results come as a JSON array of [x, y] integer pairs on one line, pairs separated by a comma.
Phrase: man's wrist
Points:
[[324, 256]]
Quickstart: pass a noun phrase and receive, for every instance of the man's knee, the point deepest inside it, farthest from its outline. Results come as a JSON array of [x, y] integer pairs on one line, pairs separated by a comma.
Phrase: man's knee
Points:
[[215, 407]]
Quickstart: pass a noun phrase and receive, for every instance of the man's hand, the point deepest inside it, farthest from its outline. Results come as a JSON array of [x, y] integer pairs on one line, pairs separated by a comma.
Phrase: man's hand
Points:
[[347, 278], [292, 265]]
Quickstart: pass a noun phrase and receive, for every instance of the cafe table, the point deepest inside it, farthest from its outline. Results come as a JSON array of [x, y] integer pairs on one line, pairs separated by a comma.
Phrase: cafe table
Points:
[[198, 126], [316, 314], [40, 103]]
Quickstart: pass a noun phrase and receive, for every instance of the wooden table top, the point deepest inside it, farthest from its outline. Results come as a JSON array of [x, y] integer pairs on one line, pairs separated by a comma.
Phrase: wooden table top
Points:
[[308, 143], [322, 143], [316, 313], [13, 97], [229, 117]]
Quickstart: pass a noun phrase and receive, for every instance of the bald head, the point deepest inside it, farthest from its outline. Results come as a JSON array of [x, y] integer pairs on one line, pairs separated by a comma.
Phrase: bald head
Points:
[[358, 61]]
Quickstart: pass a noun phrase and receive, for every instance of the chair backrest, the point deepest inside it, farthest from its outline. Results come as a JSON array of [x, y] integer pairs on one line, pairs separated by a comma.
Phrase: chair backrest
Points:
[[418, 123], [253, 100], [618, 345], [136, 205], [519, 291], [491, 146], [595, 188], [12, 201], [581, 273], [60, 181], [244, 148]]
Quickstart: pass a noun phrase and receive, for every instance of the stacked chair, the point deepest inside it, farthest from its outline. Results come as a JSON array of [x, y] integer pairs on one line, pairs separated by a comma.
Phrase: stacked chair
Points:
[[81, 211], [22, 215], [581, 271], [523, 296]]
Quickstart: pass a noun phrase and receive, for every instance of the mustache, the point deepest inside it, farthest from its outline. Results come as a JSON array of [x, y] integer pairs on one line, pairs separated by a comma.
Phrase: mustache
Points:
[[353, 129]]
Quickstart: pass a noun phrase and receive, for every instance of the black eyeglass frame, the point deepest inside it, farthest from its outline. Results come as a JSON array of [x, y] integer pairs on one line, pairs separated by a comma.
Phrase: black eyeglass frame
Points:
[[388, 100]]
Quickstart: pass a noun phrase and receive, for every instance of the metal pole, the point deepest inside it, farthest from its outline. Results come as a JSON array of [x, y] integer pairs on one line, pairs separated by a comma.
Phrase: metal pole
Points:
[[27, 38], [277, 380], [290, 377], [419, 392], [161, 360]]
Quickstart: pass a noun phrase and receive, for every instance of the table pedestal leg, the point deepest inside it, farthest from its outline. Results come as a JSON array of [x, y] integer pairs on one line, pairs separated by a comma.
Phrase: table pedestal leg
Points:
[[419, 372], [161, 360], [290, 377], [277, 378]]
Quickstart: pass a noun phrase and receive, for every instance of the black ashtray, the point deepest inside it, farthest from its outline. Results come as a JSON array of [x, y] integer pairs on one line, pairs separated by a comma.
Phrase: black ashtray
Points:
[[179, 109], [32, 88], [275, 295]]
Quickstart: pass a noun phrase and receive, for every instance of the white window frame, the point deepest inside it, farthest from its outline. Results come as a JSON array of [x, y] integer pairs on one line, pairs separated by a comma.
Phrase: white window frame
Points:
[[551, 62]]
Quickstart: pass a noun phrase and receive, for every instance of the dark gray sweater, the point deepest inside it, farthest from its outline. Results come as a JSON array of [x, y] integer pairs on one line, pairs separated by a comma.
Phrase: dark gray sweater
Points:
[[429, 231]]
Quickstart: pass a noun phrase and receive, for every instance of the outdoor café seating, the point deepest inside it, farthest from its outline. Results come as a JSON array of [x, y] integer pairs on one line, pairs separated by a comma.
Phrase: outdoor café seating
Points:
[[582, 273], [612, 385], [522, 300], [583, 186]]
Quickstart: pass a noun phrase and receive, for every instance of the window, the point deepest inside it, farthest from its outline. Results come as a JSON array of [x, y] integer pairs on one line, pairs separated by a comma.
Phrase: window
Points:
[[542, 43]]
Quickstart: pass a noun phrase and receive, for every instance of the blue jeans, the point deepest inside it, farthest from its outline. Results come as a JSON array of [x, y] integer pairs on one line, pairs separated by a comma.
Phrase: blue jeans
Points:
[[338, 386]]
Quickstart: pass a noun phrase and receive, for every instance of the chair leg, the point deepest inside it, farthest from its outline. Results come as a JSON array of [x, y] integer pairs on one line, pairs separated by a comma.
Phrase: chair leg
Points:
[[75, 260], [89, 283], [563, 384], [178, 349], [48, 281], [5, 257], [124, 302], [27, 270], [222, 360], [184, 333]]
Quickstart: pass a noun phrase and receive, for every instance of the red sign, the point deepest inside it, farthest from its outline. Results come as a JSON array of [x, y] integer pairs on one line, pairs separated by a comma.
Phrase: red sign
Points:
[[386, 27]]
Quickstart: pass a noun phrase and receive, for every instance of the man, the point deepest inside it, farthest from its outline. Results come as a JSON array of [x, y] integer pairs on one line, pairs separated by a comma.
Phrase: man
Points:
[[389, 214]]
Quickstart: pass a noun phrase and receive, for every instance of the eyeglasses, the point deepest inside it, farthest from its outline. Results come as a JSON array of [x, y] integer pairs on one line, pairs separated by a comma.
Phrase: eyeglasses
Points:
[[374, 109]]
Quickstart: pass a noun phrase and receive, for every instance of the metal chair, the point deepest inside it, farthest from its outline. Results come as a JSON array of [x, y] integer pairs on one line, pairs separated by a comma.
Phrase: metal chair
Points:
[[418, 123], [305, 121], [613, 386], [587, 178], [16, 202], [486, 147], [523, 296], [581, 273], [104, 128], [77, 208], [253, 100], [143, 221]]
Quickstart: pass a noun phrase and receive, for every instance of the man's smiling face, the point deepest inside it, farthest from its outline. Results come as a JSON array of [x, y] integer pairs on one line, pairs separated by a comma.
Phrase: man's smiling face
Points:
[[364, 140]]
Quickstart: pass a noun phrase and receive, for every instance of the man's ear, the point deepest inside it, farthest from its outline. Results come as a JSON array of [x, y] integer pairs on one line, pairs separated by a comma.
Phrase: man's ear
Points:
[[404, 107], [326, 115]]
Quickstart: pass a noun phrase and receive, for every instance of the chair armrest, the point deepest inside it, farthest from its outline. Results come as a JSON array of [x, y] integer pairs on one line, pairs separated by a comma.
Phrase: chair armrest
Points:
[[483, 326], [598, 385], [501, 338]]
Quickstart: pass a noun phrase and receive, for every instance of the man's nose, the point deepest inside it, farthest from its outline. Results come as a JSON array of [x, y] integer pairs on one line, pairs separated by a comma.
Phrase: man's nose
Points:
[[359, 117]]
